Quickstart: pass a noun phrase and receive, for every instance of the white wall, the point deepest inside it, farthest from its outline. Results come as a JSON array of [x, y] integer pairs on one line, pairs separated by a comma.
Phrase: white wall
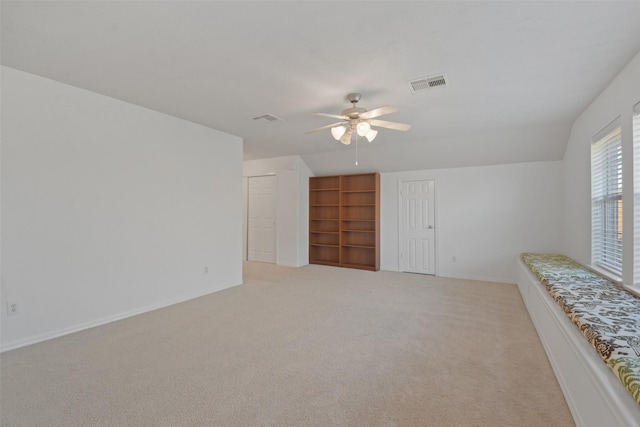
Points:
[[303, 211], [109, 209], [245, 218], [616, 100], [292, 240], [485, 217]]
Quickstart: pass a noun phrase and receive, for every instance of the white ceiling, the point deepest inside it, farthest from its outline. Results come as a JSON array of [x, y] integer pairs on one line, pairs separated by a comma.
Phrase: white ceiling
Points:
[[519, 72]]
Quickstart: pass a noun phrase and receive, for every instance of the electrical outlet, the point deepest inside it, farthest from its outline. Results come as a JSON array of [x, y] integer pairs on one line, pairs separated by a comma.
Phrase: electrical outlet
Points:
[[206, 269], [453, 259], [13, 308]]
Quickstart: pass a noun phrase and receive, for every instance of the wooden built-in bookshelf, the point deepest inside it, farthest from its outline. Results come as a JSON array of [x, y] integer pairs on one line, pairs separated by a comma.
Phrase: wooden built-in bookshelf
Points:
[[344, 221]]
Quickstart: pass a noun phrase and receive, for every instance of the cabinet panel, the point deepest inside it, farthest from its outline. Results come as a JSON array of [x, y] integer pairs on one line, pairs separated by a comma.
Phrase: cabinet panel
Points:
[[324, 255], [359, 238], [363, 258], [358, 225], [325, 238], [324, 182], [359, 182], [324, 197], [367, 198], [324, 225], [361, 213], [324, 212]]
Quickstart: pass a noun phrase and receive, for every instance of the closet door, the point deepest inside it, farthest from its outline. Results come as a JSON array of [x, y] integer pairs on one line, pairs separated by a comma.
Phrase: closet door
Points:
[[261, 225], [417, 238]]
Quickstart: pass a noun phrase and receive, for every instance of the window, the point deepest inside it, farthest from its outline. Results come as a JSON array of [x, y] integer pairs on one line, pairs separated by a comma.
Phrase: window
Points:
[[606, 199], [636, 194]]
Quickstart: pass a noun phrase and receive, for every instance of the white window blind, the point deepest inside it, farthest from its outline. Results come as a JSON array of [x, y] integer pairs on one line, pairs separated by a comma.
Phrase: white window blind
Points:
[[636, 195], [606, 199]]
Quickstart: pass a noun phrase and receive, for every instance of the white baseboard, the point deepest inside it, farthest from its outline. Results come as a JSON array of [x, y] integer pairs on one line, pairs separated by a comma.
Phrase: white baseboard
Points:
[[285, 264], [92, 324], [457, 276], [478, 278]]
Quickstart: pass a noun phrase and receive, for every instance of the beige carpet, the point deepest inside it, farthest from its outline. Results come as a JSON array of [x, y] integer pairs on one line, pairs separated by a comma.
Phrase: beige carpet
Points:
[[315, 346]]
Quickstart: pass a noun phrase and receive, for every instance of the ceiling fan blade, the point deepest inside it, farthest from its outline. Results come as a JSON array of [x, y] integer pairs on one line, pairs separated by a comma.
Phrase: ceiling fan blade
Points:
[[390, 125], [387, 109], [325, 127], [333, 116]]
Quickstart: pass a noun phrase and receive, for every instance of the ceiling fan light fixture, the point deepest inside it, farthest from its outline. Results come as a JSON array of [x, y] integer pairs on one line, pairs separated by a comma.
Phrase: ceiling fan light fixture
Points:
[[371, 135], [358, 121], [337, 132], [363, 128], [346, 138]]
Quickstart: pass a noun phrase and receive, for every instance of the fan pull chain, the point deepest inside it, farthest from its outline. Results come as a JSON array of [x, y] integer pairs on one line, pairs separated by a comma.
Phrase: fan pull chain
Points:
[[356, 148]]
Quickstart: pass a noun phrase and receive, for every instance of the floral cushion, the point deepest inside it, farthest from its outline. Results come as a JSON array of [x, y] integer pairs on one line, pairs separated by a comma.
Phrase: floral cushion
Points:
[[607, 315]]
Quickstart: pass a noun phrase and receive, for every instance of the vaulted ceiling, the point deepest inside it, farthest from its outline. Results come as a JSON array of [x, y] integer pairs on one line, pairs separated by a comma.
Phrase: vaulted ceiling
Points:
[[519, 73]]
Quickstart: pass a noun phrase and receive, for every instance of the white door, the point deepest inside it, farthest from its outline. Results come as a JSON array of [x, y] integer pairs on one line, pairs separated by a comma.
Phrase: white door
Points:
[[417, 227], [261, 224]]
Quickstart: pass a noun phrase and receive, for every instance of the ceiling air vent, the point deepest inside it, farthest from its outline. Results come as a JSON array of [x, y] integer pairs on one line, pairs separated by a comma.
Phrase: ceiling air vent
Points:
[[266, 118], [431, 82]]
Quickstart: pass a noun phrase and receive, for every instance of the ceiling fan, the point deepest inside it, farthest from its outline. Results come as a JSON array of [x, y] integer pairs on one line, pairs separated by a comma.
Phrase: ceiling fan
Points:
[[359, 120]]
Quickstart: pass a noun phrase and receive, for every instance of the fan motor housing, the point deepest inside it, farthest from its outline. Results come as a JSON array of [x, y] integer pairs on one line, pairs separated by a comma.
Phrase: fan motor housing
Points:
[[353, 112]]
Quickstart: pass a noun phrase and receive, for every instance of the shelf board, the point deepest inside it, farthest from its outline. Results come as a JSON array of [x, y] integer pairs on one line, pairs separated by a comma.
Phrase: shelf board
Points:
[[358, 191], [324, 232], [359, 246], [324, 219], [324, 262], [359, 231], [324, 189], [324, 245], [320, 206], [359, 220], [359, 266], [358, 204]]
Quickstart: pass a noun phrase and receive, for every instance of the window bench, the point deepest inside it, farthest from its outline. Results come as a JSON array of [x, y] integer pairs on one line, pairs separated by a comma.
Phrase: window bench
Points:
[[590, 329]]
